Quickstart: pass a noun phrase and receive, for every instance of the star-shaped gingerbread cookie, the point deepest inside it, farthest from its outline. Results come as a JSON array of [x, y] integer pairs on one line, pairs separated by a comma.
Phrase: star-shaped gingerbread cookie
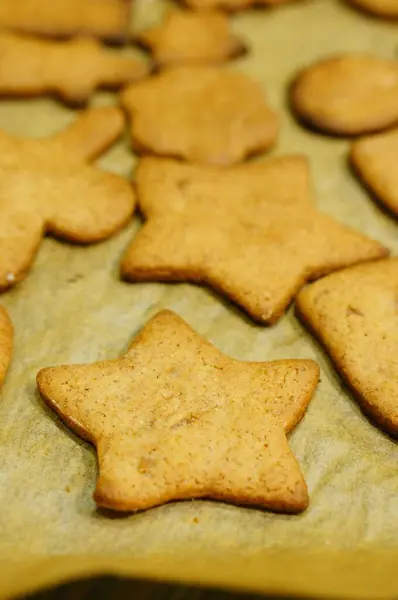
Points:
[[202, 114], [192, 37], [72, 69], [374, 158], [354, 314], [174, 418], [48, 185], [6, 343], [250, 232]]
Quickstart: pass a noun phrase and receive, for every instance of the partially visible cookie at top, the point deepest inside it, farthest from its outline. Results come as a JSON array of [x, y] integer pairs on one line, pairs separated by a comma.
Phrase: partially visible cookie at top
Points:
[[6, 343], [385, 9], [73, 69], [348, 95], [202, 114], [375, 159], [49, 185], [192, 37], [354, 313], [174, 418], [251, 231], [232, 5], [104, 19]]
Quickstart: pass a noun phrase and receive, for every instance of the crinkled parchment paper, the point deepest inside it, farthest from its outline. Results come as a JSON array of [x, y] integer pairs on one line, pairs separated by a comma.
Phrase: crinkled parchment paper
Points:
[[73, 308]]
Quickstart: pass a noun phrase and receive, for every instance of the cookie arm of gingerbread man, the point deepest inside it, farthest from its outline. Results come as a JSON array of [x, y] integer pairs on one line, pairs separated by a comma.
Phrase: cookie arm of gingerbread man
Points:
[[91, 134], [90, 204]]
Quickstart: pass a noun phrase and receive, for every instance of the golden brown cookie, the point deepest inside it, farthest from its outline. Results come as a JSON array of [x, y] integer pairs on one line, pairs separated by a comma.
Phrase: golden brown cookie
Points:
[[200, 114], [232, 5], [375, 159], [71, 69], [251, 232], [348, 95], [354, 314], [48, 185], [385, 9], [192, 37], [6, 343], [174, 418], [105, 19]]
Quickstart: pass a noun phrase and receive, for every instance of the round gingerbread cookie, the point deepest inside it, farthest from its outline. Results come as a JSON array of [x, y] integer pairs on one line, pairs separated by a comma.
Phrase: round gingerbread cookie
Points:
[[348, 95]]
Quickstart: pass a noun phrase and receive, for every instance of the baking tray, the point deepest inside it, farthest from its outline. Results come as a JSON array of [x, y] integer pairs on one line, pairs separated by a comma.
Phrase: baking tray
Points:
[[73, 308]]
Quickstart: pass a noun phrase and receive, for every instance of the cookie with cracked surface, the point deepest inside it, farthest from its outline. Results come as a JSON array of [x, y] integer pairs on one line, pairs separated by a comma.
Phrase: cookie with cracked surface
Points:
[[250, 232], [348, 95], [187, 37], [71, 69], [354, 314], [48, 185], [6, 343], [202, 114], [374, 158], [155, 416], [104, 19]]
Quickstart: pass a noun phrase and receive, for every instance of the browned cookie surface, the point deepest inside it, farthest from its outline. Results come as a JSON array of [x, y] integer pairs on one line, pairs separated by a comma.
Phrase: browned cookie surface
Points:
[[200, 114], [192, 37], [375, 158], [349, 94], [48, 185], [354, 313], [71, 69], [174, 418], [105, 19], [387, 9], [250, 231], [6, 343]]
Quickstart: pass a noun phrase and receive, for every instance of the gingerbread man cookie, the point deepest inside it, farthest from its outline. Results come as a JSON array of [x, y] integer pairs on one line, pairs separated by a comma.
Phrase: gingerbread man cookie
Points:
[[48, 185], [72, 69]]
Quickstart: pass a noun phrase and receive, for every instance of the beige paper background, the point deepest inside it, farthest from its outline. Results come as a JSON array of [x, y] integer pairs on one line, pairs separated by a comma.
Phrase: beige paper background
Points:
[[73, 308]]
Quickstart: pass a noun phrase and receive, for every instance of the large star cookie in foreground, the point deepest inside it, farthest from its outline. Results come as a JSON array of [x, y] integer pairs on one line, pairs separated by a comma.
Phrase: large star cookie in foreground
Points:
[[105, 19], [375, 158], [354, 313], [201, 114], [251, 232], [348, 95], [6, 343], [48, 185], [192, 37], [71, 69], [174, 418]]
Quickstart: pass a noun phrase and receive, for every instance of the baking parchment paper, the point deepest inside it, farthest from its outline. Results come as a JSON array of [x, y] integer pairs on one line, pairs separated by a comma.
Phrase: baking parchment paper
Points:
[[73, 308]]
